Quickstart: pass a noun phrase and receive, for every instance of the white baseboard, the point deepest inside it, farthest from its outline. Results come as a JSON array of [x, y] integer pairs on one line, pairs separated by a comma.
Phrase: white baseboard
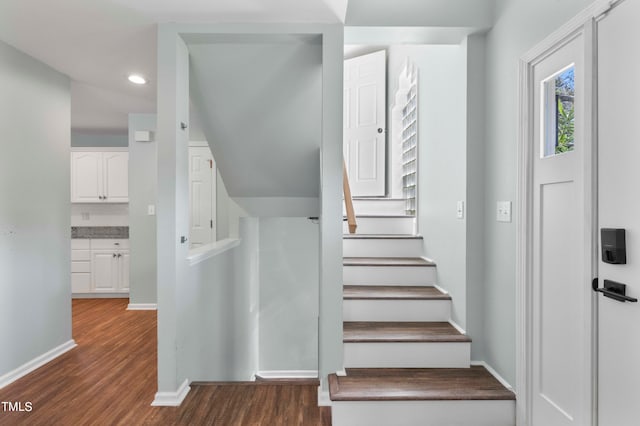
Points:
[[114, 295], [142, 307], [172, 399], [323, 397], [288, 374], [35, 363], [457, 327], [494, 373], [341, 373]]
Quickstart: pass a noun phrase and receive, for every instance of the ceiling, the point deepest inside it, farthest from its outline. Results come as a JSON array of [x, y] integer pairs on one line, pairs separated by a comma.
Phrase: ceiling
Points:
[[97, 43]]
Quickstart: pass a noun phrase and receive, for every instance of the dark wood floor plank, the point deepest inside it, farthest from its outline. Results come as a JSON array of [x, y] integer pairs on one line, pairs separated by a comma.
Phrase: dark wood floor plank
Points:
[[474, 383], [383, 292], [110, 379], [401, 332]]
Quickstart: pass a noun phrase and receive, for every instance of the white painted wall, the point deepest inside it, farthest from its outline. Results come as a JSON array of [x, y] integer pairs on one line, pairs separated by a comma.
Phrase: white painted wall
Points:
[[99, 214], [35, 235], [84, 139], [442, 154], [261, 108], [289, 277], [143, 190], [217, 312], [520, 24], [475, 205]]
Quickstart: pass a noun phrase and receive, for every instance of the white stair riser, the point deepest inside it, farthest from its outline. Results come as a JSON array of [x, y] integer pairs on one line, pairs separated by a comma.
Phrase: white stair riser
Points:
[[396, 310], [407, 355], [369, 247], [377, 207], [423, 413], [383, 225], [389, 275]]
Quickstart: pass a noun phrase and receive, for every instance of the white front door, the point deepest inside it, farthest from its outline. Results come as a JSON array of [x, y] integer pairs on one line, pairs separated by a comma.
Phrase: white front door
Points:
[[202, 178], [561, 314], [364, 124], [619, 207]]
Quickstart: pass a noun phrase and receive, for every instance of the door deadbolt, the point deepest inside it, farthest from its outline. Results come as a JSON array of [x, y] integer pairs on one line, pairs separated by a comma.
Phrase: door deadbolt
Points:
[[380, 130]]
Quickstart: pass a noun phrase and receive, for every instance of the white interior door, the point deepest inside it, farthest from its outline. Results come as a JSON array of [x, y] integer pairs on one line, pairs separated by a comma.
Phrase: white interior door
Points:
[[619, 207], [202, 178], [364, 123], [561, 313]]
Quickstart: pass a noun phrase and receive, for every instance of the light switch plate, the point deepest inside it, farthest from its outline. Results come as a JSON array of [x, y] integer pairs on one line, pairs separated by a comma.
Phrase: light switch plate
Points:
[[503, 211], [151, 210], [460, 210]]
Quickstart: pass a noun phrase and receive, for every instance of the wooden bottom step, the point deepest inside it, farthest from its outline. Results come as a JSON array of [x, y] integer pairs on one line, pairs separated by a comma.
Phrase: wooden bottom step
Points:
[[420, 397], [409, 384]]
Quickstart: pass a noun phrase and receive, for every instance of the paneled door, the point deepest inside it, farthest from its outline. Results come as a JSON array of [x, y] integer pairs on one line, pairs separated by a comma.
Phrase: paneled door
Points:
[[202, 178], [365, 124], [561, 315], [619, 207]]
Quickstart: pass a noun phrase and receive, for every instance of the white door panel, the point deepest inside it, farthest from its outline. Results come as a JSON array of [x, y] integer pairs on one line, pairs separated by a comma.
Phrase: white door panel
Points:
[[559, 366], [364, 115], [619, 207], [201, 196], [116, 176]]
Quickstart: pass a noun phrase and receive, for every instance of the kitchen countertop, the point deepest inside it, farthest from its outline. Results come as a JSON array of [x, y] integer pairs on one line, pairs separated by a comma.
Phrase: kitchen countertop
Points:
[[100, 232]]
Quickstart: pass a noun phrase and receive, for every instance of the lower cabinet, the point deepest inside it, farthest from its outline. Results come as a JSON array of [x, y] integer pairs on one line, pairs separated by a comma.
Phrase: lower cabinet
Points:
[[100, 266]]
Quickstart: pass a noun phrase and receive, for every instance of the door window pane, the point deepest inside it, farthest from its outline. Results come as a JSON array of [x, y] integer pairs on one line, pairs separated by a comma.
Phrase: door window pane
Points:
[[559, 112]]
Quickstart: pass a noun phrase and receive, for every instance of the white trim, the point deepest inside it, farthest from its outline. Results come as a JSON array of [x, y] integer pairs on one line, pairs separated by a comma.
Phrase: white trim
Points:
[[35, 363], [457, 327], [437, 287], [172, 399], [198, 144], [288, 374], [200, 254], [142, 307], [98, 295], [324, 400], [341, 373], [99, 149], [494, 373], [581, 24]]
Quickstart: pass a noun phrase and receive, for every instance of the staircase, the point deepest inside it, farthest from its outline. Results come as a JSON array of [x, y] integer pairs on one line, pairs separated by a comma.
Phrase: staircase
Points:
[[406, 364]]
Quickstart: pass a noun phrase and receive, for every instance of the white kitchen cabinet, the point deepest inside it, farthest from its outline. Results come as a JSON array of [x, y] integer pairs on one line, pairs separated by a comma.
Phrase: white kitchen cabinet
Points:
[[99, 266], [80, 266], [99, 177], [109, 265]]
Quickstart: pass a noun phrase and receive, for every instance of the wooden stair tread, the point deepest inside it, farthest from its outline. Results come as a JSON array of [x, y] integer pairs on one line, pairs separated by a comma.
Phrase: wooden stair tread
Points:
[[413, 384], [401, 332], [383, 292], [386, 261], [381, 237]]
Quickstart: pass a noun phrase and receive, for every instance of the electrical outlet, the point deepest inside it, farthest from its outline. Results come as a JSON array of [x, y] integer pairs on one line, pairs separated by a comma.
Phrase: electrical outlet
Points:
[[86, 216], [460, 210], [503, 211]]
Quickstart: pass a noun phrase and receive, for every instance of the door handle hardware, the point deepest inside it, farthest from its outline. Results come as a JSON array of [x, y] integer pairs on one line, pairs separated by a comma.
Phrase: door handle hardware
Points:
[[613, 290], [380, 130], [183, 239]]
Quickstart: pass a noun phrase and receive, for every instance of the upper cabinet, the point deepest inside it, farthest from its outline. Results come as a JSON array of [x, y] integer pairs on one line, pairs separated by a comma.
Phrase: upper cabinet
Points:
[[99, 177]]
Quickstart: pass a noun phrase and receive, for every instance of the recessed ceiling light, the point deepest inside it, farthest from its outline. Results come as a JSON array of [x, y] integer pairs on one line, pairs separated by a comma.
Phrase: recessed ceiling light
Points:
[[137, 79]]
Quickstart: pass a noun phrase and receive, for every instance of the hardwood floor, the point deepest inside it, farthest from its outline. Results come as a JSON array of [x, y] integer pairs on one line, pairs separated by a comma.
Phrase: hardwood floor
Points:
[[110, 378]]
